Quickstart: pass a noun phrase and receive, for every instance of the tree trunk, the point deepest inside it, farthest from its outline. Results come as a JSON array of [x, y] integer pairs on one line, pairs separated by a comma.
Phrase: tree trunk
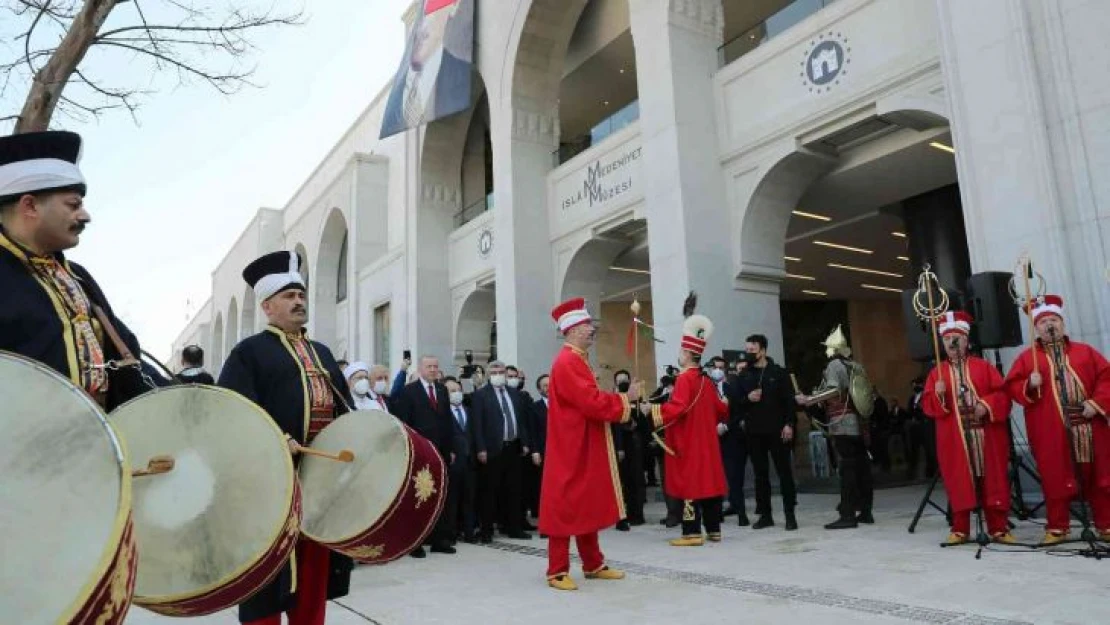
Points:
[[51, 79]]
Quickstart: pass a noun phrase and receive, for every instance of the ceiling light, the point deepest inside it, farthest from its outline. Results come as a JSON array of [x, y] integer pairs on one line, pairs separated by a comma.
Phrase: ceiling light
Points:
[[812, 216], [792, 259], [900, 235], [942, 147], [849, 248], [819, 293], [622, 70], [799, 277], [880, 288], [865, 270], [606, 103], [631, 270], [905, 258]]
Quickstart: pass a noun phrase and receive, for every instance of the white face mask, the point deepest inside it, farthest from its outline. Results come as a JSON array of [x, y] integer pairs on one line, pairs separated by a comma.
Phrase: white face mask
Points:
[[456, 398], [380, 387], [362, 386], [497, 379], [716, 374], [513, 382]]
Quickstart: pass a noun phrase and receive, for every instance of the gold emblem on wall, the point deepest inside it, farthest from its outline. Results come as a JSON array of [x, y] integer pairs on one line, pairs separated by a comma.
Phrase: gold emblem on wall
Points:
[[424, 484]]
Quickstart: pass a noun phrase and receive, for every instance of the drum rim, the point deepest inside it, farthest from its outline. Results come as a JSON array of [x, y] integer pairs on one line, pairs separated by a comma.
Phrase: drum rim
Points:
[[123, 513], [400, 490], [158, 600]]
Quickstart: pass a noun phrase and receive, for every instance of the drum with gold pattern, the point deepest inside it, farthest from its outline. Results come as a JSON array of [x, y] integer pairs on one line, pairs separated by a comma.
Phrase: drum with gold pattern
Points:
[[384, 503], [221, 523], [68, 549]]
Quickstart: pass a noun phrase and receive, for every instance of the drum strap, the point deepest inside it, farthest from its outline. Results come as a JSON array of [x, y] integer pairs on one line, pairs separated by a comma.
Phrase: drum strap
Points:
[[121, 347]]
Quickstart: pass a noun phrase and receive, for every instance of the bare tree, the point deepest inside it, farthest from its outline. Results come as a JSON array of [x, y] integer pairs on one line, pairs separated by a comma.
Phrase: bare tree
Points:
[[57, 37]]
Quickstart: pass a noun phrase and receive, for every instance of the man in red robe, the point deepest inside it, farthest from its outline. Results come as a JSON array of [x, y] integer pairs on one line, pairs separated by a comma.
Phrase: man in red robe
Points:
[[967, 398], [581, 490], [1065, 389], [694, 471]]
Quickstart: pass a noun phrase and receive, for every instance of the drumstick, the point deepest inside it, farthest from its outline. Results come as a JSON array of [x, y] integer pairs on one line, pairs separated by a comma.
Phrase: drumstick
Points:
[[344, 455], [155, 466]]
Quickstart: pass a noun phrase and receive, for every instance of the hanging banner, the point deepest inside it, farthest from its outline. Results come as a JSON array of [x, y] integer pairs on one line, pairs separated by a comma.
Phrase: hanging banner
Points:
[[433, 80]]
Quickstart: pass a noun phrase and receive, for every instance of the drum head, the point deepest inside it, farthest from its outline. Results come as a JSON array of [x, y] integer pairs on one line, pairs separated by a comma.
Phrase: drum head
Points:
[[344, 499], [65, 496], [224, 504]]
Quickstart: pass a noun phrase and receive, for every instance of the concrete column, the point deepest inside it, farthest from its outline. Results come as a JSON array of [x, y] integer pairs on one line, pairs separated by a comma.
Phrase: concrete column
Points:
[[1030, 130], [688, 224]]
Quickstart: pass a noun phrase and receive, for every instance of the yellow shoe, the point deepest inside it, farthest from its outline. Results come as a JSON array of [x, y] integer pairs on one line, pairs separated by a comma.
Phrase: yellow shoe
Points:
[[562, 582], [1054, 538], [714, 537], [688, 541], [1005, 538], [606, 573], [955, 538]]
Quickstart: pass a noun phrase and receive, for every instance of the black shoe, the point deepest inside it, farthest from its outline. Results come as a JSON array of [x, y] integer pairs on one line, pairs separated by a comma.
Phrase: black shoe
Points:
[[744, 522], [418, 553], [765, 520], [485, 539], [636, 522], [865, 517], [623, 526], [520, 536], [791, 522], [448, 549], [729, 511], [843, 523]]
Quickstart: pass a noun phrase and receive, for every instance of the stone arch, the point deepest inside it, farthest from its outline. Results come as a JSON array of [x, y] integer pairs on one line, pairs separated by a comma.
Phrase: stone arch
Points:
[[232, 335], [301, 251], [216, 349], [248, 325], [540, 38], [474, 327], [589, 265], [325, 307]]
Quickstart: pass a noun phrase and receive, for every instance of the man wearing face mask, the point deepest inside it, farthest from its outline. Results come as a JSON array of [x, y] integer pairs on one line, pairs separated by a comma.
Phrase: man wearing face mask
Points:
[[530, 464], [368, 385], [501, 439], [630, 455], [1066, 395], [461, 512], [734, 445], [538, 428]]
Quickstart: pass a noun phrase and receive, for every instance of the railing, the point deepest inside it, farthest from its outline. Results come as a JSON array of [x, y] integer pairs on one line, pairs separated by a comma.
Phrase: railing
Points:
[[573, 147], [474, 210], [770, 28]]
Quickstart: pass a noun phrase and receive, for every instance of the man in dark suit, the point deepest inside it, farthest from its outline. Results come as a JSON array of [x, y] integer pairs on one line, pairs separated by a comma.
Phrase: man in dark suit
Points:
[[464, 479], [192, 357], [538, 430], [501, 438], [424, 406], [434, 83]]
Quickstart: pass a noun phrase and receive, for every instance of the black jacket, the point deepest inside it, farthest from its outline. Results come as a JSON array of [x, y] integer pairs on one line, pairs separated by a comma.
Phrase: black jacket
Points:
[[414, 408], [538, 426], [196, 375], [464, 437], [775, 409], [489, 424]]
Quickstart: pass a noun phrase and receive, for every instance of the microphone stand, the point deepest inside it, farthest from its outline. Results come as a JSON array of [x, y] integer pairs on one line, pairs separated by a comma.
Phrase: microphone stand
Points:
[[1061, 381], [981, 537]]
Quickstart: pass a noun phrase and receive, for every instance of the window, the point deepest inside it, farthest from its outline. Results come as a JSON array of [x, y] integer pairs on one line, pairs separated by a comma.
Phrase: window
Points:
[[381, 334], [341, 274]]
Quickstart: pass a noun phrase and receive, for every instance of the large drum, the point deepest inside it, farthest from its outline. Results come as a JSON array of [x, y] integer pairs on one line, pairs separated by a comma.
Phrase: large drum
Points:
[[384, 503], [69, 553], [223, 522]]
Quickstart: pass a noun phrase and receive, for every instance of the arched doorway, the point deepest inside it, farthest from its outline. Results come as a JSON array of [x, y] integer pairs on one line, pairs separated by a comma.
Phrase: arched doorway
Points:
[[476, 328], [232, 338], [328, 328]]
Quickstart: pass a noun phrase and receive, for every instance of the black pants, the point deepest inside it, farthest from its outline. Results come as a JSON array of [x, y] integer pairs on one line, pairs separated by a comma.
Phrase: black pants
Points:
[[632, 479], [760, 446], [880, 449], [923, 438], [734, 455], [696, 512], [459, 509], [856, 489], [499, 484], [533, 476], [649, 459]]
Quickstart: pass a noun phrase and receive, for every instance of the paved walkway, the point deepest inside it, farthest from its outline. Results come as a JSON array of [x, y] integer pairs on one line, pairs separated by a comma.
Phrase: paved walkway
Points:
[[877, 574]]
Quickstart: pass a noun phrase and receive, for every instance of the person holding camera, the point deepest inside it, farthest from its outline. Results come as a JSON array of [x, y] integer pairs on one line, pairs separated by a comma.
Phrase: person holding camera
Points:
[[768, 413]]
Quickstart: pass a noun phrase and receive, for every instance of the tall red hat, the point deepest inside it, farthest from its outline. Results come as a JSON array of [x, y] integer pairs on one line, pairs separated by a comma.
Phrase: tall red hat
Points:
[[954, 322], [570, 314], [1048, 305], [431, 6], [696, 330]]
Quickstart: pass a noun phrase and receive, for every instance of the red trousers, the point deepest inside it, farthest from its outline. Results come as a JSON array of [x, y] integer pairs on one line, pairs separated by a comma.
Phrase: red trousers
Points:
[[558, 554], [1059, 516], [996, 521], [313, 563]]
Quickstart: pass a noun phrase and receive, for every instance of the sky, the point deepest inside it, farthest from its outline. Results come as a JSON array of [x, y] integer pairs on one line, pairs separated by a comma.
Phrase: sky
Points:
[[170, 194]]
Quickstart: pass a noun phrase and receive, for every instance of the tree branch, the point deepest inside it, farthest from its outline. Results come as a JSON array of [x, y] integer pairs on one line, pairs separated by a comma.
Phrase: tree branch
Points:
[[221, 82]]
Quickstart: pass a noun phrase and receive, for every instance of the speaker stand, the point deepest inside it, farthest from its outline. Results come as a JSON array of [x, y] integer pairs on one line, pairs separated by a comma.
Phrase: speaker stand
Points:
[[1017, 465], [927, 499]]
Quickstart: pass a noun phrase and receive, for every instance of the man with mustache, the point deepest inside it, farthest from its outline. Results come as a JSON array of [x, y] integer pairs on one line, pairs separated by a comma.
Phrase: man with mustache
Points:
[[54, 312], [298, 383]]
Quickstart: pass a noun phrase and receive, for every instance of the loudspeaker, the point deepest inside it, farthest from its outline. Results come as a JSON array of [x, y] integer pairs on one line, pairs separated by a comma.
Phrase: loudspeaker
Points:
[[998, 322], [919, 333]]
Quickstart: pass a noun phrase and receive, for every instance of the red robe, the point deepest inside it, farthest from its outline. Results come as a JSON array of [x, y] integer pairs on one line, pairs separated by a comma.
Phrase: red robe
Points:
[[1044, 419], [691, 416], [581, 491], [986, 385]]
